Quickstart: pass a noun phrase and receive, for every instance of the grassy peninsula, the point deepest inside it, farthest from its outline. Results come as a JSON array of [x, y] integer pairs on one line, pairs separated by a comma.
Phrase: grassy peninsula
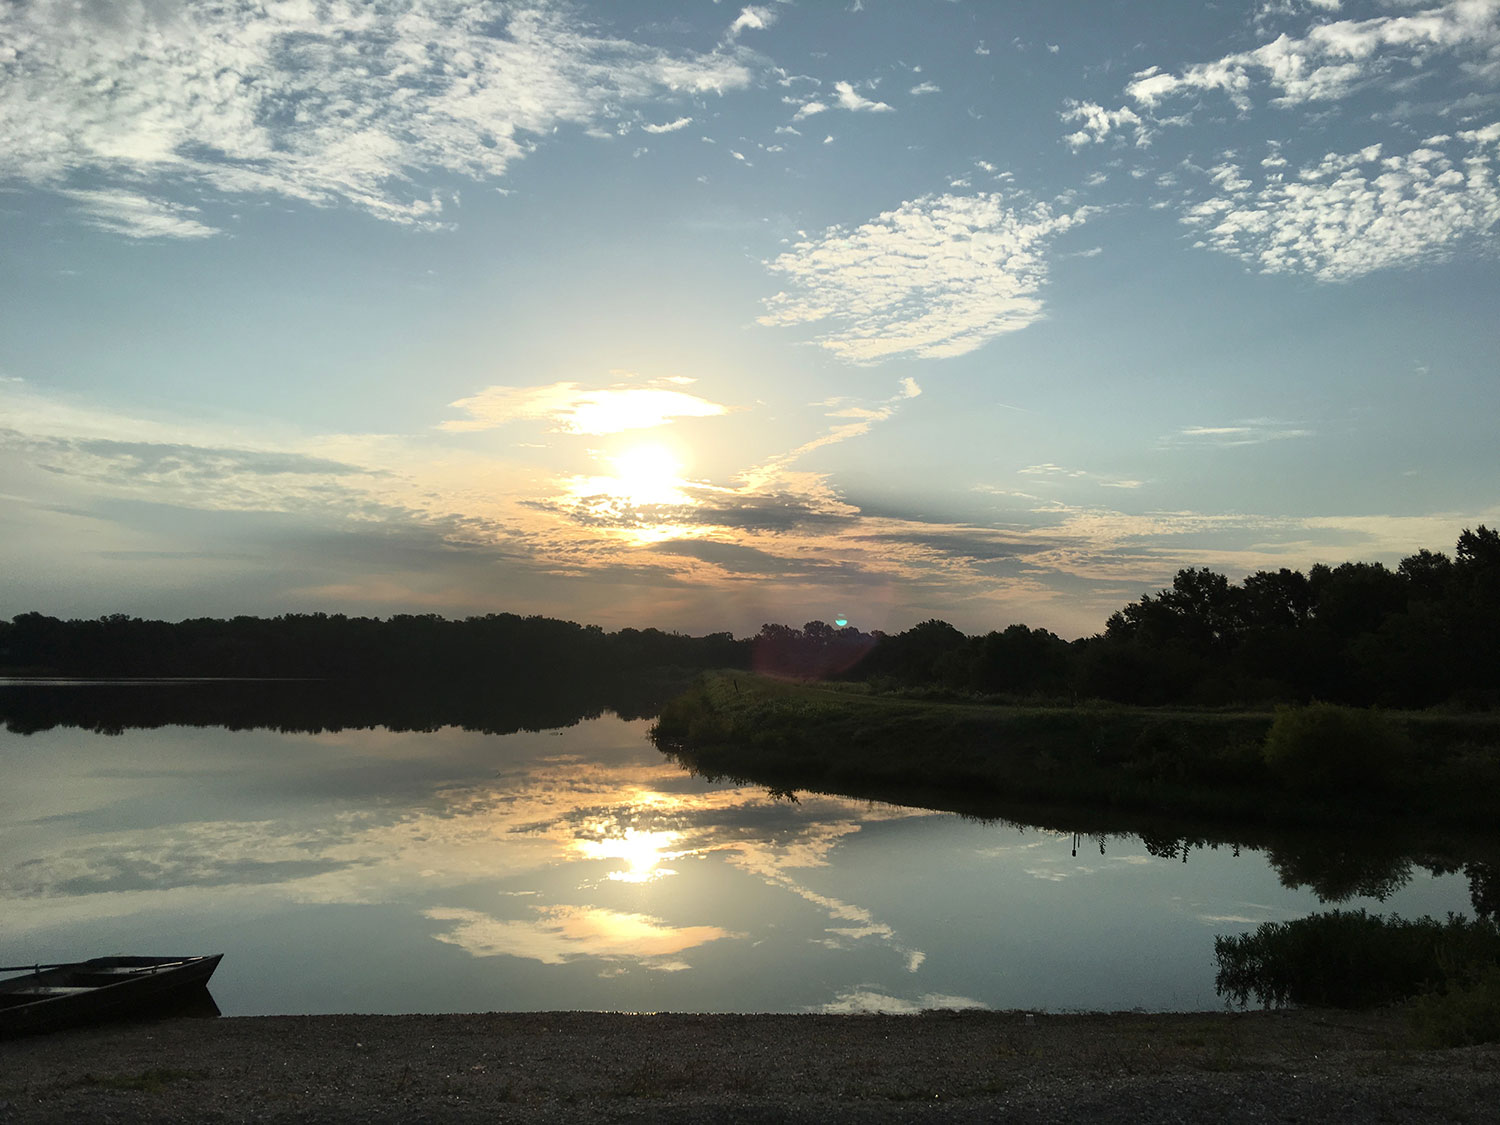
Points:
[[1317, 764]]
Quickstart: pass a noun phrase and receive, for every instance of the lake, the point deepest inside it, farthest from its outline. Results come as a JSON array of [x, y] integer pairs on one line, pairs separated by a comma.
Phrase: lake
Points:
[[452, 870]]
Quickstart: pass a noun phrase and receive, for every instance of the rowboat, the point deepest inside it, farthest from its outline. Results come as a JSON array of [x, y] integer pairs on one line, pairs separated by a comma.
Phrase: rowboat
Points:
[[50, 997]]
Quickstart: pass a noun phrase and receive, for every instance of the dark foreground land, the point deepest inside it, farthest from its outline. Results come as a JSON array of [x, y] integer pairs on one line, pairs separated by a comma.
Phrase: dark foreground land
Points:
[[1311, 1066]]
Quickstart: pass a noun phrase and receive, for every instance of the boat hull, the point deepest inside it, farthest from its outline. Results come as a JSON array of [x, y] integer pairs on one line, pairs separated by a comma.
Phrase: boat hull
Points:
[[96, 991]]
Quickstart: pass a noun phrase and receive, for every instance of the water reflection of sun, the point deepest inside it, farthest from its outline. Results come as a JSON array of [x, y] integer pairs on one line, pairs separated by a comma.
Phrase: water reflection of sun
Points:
[[643, 853]]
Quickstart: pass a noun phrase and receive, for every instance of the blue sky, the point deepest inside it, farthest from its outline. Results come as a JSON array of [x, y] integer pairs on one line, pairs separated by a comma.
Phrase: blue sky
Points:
[[701, 315]]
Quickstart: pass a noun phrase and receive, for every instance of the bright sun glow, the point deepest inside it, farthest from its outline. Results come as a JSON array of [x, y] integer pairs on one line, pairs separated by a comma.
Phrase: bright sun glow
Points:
[[638, 498], [649, 474], [643, 475]]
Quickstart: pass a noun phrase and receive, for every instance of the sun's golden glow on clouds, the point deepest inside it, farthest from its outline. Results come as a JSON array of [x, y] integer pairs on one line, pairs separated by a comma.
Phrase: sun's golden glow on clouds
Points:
[[570, 408], [777, 540]]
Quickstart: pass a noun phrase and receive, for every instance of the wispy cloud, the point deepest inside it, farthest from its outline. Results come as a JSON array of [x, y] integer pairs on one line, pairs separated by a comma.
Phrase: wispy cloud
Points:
[[1251, 431], [574, 409], [138, 216], [1271, 11], [1051, 472], [936, 277], [329, 103], [1352, 213], [853, 421]]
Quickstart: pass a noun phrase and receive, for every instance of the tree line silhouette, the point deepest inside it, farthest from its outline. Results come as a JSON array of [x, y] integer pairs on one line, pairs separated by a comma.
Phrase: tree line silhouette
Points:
[[1427, 632], [499, 648], [1424, 633]]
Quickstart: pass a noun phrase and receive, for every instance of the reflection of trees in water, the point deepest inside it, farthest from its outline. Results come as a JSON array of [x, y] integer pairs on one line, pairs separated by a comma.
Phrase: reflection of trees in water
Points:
[[1341, 869], [1334, 866], [316, 706], [1484, 887]]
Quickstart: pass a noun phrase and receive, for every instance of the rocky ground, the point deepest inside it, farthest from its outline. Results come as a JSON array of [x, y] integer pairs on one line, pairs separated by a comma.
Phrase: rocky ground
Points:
[[977, 1066]]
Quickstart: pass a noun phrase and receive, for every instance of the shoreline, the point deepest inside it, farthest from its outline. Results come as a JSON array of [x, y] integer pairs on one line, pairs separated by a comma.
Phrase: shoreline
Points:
[[1329, 1066]]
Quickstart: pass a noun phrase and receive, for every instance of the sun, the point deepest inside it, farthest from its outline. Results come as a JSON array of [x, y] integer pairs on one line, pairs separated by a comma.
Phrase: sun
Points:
[[648, 474], [640, 494]]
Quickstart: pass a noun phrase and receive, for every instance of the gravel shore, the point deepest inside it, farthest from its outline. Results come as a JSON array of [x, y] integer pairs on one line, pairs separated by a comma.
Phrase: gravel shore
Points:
[[1308, 1066]]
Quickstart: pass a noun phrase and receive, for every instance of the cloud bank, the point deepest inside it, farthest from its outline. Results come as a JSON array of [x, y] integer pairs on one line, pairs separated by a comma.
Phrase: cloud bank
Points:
[[1352, 213], [327, 103], [1334, 59]]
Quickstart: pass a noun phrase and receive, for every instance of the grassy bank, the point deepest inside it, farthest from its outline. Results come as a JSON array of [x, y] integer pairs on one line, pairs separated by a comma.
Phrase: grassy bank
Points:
[[1328, 766]]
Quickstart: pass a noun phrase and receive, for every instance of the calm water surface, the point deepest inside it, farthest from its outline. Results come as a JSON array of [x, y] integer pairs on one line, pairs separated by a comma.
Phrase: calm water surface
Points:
[[451, 871]]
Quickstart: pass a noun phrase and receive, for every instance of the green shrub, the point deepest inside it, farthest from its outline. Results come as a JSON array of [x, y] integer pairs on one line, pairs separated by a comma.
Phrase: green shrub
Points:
[[1325, 749], [1464, 1014]]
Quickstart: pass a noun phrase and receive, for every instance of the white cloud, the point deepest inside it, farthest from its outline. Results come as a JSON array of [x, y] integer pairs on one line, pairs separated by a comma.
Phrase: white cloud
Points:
[[754, 18], [573, 409], [137, 216], [1333, 59], [338, 103], [670, 126], [925, 88], [1349, 214], [936, 277], [1099, 122], [851, 100], [809, 109]]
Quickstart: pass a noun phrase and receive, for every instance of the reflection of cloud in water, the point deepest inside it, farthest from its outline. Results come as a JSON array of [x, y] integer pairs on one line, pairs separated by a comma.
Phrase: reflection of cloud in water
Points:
[[559, 934], [865, 1000], [1050, 876], [560, 819], [208, 854]]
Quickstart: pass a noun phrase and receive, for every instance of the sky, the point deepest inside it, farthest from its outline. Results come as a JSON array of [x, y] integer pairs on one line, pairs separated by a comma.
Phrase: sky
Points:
[[700, 315]]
